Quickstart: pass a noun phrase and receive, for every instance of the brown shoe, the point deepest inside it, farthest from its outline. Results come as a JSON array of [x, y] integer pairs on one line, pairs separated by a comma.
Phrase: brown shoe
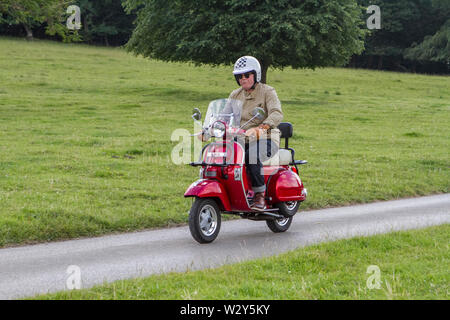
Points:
[[259, 203]]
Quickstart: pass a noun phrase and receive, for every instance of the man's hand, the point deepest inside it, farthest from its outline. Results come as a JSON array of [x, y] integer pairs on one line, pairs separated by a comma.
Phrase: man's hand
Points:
[[203, 136], [253, 132], [257, 132]]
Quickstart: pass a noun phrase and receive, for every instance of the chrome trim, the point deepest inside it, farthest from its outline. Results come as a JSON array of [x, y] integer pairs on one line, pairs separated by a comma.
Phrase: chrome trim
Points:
[[282, 222], [243, 189], [290, 205], [241, 166], [207, 220]]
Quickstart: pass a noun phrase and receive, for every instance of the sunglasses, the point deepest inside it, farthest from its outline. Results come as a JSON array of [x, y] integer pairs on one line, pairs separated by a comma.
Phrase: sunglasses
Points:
[[243, 75]]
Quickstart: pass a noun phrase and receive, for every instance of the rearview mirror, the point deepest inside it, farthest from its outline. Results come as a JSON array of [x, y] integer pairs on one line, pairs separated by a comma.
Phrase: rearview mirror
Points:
[[258, 113], [196, 114]]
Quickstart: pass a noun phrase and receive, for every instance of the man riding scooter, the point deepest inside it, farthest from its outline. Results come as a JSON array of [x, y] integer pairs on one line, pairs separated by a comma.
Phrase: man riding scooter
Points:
[[262, 135], [244, 171]]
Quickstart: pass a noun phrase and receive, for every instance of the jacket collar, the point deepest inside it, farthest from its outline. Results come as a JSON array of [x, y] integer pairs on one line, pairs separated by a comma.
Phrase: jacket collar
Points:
[[251, 95]]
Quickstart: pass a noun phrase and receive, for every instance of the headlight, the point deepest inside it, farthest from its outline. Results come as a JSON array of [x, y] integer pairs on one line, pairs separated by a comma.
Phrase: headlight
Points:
[[218, 129]]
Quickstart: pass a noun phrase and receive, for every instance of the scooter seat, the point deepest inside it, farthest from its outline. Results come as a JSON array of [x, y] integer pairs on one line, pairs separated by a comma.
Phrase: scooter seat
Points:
[[282, 158]]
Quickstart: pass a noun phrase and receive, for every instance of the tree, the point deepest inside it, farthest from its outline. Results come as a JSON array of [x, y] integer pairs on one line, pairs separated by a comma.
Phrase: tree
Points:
[[32, 13], [404, 23], [435, 47], [104, 21], [280, 33]]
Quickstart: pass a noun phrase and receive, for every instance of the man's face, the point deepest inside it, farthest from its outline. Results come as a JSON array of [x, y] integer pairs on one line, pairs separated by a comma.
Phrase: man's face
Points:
[[247, 83]]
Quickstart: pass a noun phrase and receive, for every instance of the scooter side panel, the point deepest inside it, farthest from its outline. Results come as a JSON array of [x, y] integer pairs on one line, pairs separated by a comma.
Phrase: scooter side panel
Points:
[[208, 188], [285, 185]]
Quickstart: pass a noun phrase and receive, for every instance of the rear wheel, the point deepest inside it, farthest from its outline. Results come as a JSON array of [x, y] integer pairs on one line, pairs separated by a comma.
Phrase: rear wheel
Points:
[[279, 225], [204, 220], [288, 208]]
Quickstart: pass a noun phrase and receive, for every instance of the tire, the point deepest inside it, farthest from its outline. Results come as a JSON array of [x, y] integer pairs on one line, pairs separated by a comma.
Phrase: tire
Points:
[[204, 220], [288, 209], [279, 225]]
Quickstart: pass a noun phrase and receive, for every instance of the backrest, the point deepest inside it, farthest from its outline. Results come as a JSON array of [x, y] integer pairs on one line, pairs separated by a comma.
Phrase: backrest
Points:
[[286, 128]]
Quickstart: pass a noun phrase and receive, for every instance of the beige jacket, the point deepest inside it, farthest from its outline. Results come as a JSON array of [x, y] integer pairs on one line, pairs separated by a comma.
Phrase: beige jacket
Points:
[[263, 96]]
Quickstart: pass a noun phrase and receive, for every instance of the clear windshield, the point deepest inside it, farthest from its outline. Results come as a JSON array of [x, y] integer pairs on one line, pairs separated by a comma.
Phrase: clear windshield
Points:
[[227, 110]]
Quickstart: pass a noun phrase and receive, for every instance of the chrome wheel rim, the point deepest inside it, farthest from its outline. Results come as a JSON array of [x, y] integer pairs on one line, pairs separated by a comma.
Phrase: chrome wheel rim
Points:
[[283, 222], [208, 220], [290, 205]]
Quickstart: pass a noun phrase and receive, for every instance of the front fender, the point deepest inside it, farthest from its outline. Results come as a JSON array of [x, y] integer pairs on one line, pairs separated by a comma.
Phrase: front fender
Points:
[[206, 188]]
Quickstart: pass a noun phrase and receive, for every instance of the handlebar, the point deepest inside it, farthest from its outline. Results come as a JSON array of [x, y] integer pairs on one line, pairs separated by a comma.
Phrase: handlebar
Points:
[[236, 131], [230, 132]]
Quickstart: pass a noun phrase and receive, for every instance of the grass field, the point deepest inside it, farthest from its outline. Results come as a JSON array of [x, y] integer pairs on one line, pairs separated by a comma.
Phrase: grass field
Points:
[[85, 137], [411, 264]]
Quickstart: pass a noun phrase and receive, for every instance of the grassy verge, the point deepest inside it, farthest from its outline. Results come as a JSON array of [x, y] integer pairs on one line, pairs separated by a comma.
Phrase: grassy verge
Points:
[[85, 137], [412, 264]]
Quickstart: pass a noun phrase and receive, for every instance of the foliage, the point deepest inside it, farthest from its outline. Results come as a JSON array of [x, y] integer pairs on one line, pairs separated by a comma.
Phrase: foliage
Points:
[[33, 13], [434, 47], [404, 23], [306, 34], [104, 21]]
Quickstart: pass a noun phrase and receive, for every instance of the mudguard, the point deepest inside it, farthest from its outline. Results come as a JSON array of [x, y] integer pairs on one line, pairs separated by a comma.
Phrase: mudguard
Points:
[[285, 185], [207, 188]]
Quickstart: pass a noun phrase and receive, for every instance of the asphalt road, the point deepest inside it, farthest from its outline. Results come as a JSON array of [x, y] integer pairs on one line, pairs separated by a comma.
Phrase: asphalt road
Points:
[[30, 270]]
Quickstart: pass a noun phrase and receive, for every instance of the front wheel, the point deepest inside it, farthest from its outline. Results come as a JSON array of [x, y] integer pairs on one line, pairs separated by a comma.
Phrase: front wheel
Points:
[[204, 220], [279, 225]]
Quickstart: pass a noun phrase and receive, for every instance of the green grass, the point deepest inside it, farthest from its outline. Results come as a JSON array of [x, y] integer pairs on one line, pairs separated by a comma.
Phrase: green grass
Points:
[[85, 137], [412, 264]]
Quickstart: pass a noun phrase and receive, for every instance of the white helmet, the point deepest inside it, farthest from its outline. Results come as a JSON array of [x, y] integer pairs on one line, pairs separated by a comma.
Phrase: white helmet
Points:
[[248, 64]]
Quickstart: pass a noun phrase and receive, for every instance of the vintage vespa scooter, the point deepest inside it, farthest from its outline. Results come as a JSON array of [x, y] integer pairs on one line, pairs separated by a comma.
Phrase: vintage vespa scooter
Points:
[[224, 186]]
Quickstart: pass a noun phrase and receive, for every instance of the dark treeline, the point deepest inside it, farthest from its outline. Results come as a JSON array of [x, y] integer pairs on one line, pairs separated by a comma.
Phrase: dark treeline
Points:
[[414, 37], [414, 34]]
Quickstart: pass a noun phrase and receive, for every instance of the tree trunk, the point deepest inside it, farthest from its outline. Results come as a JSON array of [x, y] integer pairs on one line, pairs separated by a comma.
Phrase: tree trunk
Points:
[[29, 32], [353, 61], [86, 29], [264, 69], [369, 62], [380, 62]]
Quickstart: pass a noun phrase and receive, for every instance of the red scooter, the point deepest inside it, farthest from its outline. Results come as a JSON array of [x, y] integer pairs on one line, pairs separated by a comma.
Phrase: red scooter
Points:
[[224, 186]]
